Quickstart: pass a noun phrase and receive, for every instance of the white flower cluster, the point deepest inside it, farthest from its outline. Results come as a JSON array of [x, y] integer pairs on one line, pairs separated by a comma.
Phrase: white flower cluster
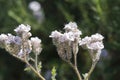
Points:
[[71, 33], [20, 45], [36, 45], [93, 44], [68, 42]]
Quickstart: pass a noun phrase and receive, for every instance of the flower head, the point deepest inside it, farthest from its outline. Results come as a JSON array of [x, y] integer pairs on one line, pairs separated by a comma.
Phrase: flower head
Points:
[[97, 37], [94, 44], [36, 45], [67, 41], [70, 26], [34, 6], [22, 28], [55, 34], [13, 40]]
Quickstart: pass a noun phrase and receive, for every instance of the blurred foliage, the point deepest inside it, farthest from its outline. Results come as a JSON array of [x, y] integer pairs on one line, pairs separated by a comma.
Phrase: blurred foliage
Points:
[[92, 16]]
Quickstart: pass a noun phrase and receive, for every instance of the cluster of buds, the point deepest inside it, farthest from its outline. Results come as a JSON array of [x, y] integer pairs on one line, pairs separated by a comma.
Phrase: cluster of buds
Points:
[[21, 44], [94, 44], [67, 42]]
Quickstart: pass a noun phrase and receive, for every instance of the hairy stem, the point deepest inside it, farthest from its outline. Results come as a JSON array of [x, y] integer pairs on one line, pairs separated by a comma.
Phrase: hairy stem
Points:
[[32, 68], [91, 70], [36, 62], [75, 67]]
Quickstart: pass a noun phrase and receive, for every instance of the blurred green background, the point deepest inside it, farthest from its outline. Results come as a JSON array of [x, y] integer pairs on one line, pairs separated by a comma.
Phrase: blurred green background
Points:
[[92, 16]]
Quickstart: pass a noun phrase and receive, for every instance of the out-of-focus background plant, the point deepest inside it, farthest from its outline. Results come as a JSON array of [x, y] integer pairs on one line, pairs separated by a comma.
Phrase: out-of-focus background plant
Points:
[[102, 16]]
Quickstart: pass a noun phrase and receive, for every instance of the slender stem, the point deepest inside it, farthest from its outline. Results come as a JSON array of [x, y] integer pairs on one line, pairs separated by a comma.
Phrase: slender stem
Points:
[[26, 61], [32, 59], [91, 70], [36, 62], [38, 74], [75, 67], [75, 59], [32, 68], [76, 70]]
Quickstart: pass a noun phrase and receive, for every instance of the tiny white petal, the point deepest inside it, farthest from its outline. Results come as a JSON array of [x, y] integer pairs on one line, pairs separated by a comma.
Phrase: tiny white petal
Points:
[[97, 37], [85, 41], [70, 26], [3, 37], [95, 46], [22, 28], [36, 44], [55, 34]]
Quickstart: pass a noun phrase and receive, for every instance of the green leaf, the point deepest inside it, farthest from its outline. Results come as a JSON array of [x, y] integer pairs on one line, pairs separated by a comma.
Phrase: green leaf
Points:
[[27, 69], [40, 66], [53, 73]]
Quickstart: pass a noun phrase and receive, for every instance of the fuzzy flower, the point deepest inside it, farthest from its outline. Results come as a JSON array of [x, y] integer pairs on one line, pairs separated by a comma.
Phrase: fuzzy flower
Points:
[[22, 28], [13, 40], [13, 44], [23, 31], [97, 37], [85, 41], [3, 37], [95, 46], [67, 42], [55, 34], [34, 6], [66, 37], [93, 43], [70, 26], [36, 45]]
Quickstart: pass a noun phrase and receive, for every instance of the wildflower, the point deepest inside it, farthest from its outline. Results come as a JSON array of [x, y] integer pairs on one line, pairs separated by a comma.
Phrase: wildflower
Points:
[[22, 28], [13, 40], [23, 31], [55, 34], [36, 45], [34, 6], [66, 37], [67, 42], [85, 41], [70, 26], [94, 44], [97, 37]]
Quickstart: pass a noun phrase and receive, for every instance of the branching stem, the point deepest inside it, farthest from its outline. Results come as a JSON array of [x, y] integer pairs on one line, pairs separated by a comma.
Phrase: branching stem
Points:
[[91, 69], [32, 68]]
